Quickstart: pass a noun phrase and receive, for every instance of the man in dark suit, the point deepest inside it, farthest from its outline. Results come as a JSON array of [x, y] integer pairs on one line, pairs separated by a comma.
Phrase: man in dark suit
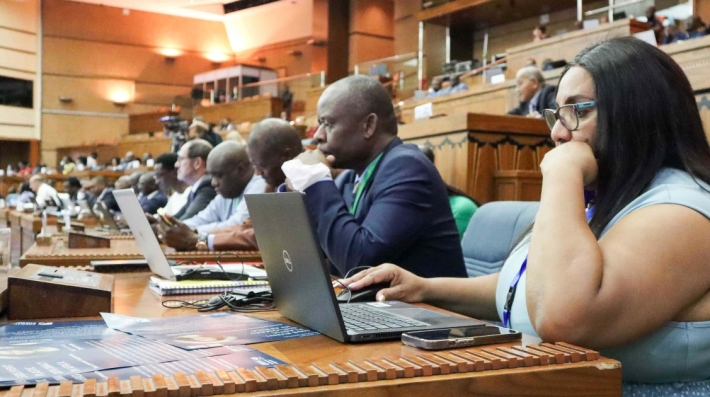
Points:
[[151, 198], [391, 204], [534, 95], [99, 190], [192, 170]]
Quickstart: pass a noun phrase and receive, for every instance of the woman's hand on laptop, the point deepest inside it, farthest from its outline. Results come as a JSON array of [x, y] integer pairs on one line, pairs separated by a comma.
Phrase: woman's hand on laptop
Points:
[[404, 286]]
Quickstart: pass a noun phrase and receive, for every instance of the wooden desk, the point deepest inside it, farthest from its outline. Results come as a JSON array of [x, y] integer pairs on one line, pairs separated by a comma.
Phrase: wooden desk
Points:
[[253, 110], [470, 148], [600, 377], [5, 217], [122, 248], [6, 182]]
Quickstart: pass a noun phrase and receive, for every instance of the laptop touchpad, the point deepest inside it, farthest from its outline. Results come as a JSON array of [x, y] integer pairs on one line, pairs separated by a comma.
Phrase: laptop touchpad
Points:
[[423, 315]]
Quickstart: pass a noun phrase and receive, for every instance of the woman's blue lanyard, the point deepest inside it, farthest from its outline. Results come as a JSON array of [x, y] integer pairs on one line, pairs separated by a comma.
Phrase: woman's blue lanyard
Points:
[[514, 283]]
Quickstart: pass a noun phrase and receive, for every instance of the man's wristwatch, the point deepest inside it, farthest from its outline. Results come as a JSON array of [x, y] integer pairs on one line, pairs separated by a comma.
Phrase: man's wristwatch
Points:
[[201, 244]]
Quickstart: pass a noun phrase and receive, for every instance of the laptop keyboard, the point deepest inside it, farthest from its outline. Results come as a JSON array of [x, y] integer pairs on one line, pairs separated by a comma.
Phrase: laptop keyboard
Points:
[[364, 318]]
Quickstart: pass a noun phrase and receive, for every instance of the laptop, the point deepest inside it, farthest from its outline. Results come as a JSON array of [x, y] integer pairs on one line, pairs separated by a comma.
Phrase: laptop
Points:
[[101, 214], [301, 285], [154, 255]]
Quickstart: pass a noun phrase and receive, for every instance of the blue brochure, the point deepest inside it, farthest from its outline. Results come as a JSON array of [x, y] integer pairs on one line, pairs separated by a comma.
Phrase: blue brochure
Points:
[[207, 330]]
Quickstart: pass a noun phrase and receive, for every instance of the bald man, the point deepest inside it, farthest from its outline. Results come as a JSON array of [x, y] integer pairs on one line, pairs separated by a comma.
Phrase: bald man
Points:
[[232, 177], [391, 205], [150, 198], [533, 94], [271, 143]]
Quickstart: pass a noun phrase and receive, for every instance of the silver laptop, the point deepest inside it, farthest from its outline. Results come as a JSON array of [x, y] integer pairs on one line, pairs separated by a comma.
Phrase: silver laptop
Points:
[[101, 214], [300, 280], [154, 255]]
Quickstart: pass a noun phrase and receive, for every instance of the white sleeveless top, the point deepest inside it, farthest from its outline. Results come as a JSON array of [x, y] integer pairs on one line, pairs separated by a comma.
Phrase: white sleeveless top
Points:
[[677, 352]]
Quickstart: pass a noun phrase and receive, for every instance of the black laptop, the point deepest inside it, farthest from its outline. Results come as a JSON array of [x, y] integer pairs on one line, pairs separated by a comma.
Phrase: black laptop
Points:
[[300, 280]]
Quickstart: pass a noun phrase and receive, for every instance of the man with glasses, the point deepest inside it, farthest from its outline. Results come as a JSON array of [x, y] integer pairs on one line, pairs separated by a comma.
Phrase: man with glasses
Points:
[[534, 95], [192, 170]]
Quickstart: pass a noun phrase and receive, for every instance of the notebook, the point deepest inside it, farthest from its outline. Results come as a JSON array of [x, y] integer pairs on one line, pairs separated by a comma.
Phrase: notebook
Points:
[[191, 287]]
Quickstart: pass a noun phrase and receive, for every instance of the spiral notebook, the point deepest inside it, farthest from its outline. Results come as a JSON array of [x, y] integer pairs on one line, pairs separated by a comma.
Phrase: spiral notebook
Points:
[[190, 287]]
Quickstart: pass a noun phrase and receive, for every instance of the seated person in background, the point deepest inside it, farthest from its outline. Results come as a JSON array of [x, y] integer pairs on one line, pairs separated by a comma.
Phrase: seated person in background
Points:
[[435, 87], [91, 161], [199, 129], [24, 168], [192, 170], [135, 178], [26, 194], [81, 163], [115, 163], [630, 276], [271, 143], [232, 177], [539, 33], [168, 182], [534, 95], [72, 186], [463, 206], [656, 24], [391, 204], [67, 165], [530, 62], [45, 195], [99, 191], [146, 156], [123, 182], [150, 198], [695, 27]]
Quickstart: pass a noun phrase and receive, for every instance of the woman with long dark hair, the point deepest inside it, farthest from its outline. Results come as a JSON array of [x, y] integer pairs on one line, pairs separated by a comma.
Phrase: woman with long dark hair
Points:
[[629, 272]]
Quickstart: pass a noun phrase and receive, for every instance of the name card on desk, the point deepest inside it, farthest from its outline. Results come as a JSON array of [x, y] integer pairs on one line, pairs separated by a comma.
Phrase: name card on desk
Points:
[[423, 111], [37, 292]]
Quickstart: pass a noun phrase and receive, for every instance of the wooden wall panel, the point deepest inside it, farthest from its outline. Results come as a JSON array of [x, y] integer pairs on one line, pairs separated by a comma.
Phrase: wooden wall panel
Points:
[[154, 146], [14, 40], [451, 154], [15, 60], [17, 116], [19, 15], [70, 57], [11, 152], [372, 16], [72, 130], [282, 55], [371, 31], [365, 48], [95, 94], [100, 23]]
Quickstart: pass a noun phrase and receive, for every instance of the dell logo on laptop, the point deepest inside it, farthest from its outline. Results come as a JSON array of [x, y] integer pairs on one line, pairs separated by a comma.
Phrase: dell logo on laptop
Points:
[[287, 261]]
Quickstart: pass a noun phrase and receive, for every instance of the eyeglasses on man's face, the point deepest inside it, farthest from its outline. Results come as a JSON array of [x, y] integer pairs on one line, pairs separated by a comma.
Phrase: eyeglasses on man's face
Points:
[[568, 115]]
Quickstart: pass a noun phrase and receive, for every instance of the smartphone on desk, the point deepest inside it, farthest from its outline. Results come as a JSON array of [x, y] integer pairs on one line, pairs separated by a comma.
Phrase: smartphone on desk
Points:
[[451, 338]]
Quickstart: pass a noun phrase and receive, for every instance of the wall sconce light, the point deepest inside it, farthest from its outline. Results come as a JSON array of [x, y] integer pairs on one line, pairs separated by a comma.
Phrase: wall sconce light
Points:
[[260, 59], [65, 99], [120, 98], [296, 53], [120, 104], [170, 54], [317, 43]]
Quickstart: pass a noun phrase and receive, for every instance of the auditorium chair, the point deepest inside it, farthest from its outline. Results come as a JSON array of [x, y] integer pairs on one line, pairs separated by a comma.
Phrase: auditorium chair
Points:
[[491, 233]]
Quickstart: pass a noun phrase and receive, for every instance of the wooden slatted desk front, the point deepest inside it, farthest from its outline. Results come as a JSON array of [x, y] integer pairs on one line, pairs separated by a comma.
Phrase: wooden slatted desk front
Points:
[[320, 366], [122, 248]]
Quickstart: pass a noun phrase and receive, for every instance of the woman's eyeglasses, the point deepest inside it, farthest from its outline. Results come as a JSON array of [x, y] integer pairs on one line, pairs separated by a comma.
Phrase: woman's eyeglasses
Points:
[[567, 114]]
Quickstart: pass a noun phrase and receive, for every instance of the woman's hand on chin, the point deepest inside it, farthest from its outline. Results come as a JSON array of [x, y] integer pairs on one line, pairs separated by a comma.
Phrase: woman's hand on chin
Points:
[[404, 285], [571, 157]]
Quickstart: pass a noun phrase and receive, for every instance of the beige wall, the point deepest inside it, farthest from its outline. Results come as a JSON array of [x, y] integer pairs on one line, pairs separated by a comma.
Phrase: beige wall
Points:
[[107, 56], [19, 22]]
